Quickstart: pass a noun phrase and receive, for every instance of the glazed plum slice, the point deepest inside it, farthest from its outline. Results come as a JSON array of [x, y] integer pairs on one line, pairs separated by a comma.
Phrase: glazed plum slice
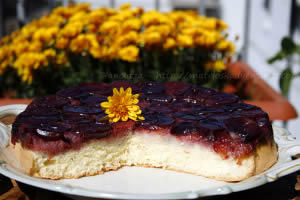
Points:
[[152, 88], [69, 92], [52, 131], [188, 115], [181, 105], [253, 113], [245, 128], [43, 111], [164, 98], [93, 100], [183, 128], [152, 120], [221, 99], [82, 109], [93, 131], [211, 124], [238, 106], [207, 110], [95, 88], [160, 107], [197, 95], [49, 101], [77, 118]]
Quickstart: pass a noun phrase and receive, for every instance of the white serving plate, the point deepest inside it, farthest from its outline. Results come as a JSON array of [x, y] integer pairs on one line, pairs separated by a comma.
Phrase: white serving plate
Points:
[[147, 183]]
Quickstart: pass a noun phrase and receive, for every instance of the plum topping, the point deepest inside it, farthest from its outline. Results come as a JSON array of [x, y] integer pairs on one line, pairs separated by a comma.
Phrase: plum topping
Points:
[[221, 99], [188, 115], [254, 113], [243, 127], [42, 118], [50, 101], [77, 118], [93, 131], [211, 124], [192, 113], [52, 131], [160, 108], [93, 100], [158, 98], [69, 92], [44, 111], [153, 119], [153, 88], [207, 110], [82, 109], [237, 106], [95, 88], [183, 128], [164, 120]]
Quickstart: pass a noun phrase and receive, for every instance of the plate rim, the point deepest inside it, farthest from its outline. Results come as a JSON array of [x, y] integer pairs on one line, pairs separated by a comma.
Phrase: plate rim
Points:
[[287, 145]]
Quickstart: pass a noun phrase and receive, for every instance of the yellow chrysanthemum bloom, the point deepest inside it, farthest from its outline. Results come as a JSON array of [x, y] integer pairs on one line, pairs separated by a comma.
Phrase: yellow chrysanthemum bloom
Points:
[[217, 65], [163, 29], [109, 26], [129, 38], [50, 53], [132, 24], [61, 59], [84, 42], [97, 17], [184, 40], [129, 53], [152, 38], [72, 29], [122, 106], [61, 43], [153, 18], [169, 43]]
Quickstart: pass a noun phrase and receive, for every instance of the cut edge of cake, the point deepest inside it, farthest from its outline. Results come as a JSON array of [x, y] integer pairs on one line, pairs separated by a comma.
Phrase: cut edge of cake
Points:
[[140, 148]]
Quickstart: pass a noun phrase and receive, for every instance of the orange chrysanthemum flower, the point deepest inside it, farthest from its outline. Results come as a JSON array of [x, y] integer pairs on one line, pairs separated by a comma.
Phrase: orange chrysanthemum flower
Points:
[[122, 106]]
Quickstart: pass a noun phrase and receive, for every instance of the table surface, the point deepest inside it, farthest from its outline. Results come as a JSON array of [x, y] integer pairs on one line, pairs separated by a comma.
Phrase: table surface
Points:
[[287, 187]]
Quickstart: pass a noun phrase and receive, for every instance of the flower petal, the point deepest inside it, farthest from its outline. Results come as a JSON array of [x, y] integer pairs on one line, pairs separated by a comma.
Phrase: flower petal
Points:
[[105, 104], [115, 92]]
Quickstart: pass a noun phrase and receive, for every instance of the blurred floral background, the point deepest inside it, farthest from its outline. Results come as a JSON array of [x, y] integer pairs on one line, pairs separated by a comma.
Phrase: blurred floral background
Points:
[[74, 44]]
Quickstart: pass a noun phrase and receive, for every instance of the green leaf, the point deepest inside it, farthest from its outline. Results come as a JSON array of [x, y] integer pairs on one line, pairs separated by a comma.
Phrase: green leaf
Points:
[[285, 80], [279, 56], [288, 45]]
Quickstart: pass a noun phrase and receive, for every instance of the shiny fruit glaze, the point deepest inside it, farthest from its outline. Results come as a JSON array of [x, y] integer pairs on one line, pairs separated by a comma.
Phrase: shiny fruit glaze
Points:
[[64, 121]]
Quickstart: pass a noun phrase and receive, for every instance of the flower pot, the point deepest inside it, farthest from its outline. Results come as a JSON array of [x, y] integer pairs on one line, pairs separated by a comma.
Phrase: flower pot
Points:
[[251, 87]]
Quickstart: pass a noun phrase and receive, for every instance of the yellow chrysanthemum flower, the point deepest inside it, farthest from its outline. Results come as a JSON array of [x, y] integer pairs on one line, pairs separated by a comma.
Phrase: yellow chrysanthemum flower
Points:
[[109, 26], [217, 65], [152, 38], [184, 40], [122, 106], [132, 24], [169, 43], [129, 53], [129, 38], [62, 43]]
